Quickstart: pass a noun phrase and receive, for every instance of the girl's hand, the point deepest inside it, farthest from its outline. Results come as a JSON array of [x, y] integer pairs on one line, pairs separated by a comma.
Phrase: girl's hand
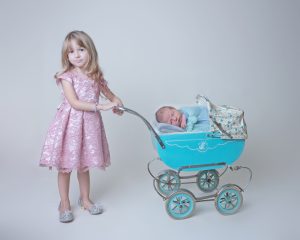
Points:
[[119, 103], [108, 106]]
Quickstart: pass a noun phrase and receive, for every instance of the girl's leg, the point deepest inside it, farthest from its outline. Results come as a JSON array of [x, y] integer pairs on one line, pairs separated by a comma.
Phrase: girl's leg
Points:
[[63, 187], [84, 186]]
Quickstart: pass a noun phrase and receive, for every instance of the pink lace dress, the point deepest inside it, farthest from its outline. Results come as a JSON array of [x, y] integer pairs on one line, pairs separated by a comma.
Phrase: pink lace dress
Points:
[[76, 139]]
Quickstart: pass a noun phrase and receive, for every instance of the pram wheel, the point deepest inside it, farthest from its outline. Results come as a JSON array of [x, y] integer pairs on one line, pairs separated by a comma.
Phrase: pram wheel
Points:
[[181, 204], [168, 183], [208, 180], [229, 200]]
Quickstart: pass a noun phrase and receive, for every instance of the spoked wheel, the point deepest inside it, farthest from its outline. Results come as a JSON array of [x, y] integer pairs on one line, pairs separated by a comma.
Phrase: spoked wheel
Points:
[[208, 180], [181, 204], [169, 182], [229, 200]]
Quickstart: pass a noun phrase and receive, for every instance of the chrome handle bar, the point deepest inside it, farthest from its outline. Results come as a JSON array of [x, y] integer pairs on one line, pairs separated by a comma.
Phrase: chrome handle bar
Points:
[[124, 109]]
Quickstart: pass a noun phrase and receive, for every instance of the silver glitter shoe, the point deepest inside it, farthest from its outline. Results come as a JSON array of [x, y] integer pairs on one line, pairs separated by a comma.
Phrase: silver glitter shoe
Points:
[[65, 216], [93, 209]]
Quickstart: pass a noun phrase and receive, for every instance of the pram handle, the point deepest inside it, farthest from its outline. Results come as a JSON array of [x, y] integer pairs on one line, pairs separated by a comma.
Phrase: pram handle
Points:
[[124, 109]]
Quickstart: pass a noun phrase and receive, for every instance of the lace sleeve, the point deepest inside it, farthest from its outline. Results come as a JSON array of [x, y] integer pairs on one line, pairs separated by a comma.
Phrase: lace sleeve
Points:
[[65, 76]]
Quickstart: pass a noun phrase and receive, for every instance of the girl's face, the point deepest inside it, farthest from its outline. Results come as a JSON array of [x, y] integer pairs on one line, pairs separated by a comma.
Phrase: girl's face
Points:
[[77, 55]]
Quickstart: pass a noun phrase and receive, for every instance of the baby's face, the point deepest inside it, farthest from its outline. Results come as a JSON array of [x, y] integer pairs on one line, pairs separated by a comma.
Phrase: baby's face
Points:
[[172, 116]]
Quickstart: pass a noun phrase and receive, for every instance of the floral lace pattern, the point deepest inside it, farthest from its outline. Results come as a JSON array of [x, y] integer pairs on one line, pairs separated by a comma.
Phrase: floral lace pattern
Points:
[[76, 139]]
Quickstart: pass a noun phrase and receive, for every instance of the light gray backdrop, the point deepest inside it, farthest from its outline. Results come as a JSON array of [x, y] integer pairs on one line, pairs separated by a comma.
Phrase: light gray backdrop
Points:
[[241, 53]]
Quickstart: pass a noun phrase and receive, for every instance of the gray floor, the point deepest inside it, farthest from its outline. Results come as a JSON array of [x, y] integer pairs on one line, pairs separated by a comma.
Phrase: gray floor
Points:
[[133, 210]]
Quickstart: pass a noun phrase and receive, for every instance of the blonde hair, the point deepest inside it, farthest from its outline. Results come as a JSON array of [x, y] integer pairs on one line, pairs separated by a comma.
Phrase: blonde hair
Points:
[[83, 40], [160, 112]]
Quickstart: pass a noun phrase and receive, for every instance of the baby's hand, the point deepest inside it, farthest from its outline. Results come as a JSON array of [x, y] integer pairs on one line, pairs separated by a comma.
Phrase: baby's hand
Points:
[[183, 121]]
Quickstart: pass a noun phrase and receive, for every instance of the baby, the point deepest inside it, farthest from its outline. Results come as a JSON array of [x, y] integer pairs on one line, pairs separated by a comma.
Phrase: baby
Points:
[[193, 118]]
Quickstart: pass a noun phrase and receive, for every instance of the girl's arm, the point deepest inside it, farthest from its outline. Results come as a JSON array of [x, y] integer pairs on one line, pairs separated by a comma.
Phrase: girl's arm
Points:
[[80, 105], [112, 97], [108, 93]]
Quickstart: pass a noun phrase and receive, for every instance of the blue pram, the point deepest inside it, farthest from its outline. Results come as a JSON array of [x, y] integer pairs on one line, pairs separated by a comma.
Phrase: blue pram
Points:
[[202, 153]]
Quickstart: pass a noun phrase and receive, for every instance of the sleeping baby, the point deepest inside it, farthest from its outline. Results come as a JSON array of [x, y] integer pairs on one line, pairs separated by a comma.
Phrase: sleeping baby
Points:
[[191, 119]]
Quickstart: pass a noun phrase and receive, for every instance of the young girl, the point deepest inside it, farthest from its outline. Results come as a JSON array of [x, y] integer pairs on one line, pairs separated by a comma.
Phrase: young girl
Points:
[[76, 138]]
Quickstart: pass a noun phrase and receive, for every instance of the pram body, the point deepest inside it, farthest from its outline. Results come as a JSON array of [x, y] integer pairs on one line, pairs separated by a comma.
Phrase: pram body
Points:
[[194, 149]]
